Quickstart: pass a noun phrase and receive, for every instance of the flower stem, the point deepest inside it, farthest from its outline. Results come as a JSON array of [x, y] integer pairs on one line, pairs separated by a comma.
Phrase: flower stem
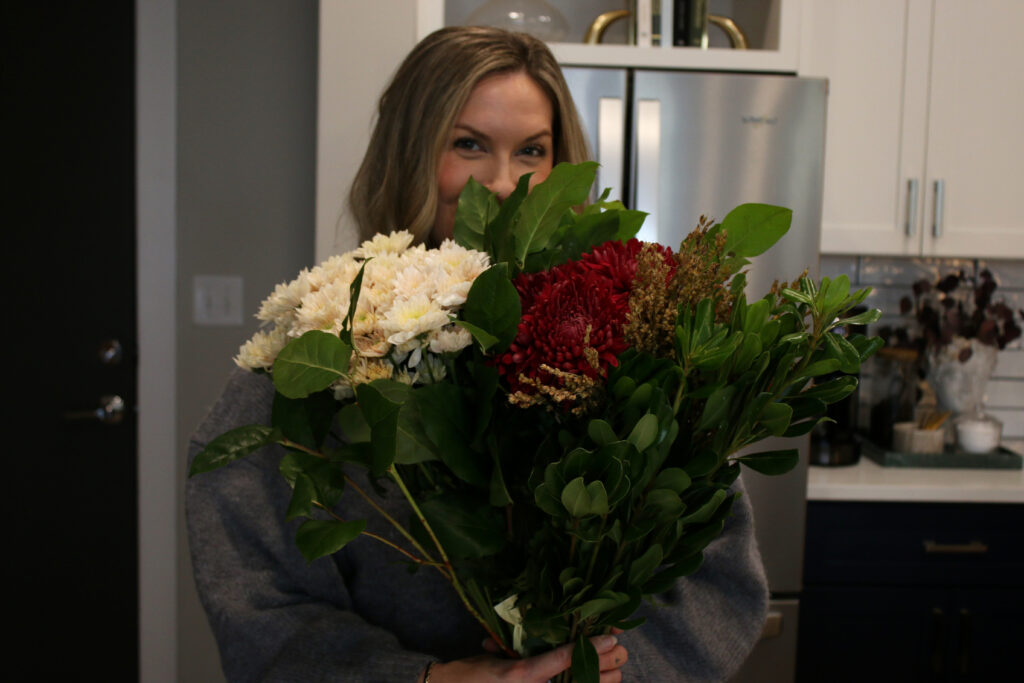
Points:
[[377, 537], [452, 576]]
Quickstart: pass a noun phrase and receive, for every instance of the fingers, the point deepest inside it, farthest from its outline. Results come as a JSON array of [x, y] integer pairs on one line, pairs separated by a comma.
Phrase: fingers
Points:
[[613, 659]]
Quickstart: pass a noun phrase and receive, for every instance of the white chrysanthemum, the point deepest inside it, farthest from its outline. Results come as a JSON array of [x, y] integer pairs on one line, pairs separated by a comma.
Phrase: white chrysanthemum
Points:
[[337, 269], [412, 280], [368, 369], [410, 318], [280, 306], [261, 350], [325, 309], [449, 339], [395, 243], [431, 370]]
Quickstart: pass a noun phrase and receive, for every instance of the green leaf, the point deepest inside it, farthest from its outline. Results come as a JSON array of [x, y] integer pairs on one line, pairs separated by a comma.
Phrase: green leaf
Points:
[[865, 318], [704, 512], [303, 495], [794, 295], [836, 292], [672, 478], [326, 477], [833, 390], [601, 433], [477, 208], [493, 306], [750, 229], [586, 667], [381, 415], [665, 579], [565, 187], [643, 567], [305, 421], [603, 603], [582, 499], [772, 462], [445, 420], [485, 339], [353, 302], [843, 351], [499, 240], [775, 417], [231, 446], [352, 423], [310, 364], [644, 432], [318, 538], [716, 410], [467, 527]]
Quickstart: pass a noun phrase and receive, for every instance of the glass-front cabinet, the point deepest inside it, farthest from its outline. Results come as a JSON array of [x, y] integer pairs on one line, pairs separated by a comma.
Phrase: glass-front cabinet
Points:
[[719, 35]]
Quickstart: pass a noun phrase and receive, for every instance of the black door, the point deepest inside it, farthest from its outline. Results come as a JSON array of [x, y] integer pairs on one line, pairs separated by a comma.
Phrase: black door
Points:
[[69, 212]]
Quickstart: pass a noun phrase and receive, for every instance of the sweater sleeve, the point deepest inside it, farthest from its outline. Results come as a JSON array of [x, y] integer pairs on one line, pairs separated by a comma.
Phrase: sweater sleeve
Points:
[[705, 627], [275, 617]]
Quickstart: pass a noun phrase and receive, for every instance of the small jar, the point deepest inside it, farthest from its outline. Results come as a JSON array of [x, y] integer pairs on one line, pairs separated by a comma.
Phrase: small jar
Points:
[[977, 432]]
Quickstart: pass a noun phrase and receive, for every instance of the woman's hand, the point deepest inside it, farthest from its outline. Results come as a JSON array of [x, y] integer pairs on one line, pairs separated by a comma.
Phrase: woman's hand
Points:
[[491, 669]]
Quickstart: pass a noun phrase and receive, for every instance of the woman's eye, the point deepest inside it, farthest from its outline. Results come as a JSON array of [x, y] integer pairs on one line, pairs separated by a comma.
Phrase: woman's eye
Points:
[[467, 144], [533, 151]]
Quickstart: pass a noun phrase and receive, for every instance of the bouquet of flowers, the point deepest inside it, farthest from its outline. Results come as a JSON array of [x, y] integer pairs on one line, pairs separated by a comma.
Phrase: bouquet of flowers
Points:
[[562, 406]]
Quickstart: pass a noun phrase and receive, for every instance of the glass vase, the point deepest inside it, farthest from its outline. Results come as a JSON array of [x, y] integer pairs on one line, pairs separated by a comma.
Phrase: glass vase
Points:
[[536, 17]]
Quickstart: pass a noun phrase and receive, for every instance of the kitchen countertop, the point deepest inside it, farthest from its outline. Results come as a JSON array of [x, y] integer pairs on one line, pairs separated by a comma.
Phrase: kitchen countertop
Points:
[[869, 481]]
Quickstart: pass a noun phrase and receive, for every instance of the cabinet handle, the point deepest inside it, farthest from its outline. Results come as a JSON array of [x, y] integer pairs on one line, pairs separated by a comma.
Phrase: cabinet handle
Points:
[[940, 200], [911, 226], [972, 548]]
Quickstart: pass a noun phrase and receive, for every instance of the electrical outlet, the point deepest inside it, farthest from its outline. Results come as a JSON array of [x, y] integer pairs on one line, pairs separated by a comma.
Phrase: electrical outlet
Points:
[[217, 300]]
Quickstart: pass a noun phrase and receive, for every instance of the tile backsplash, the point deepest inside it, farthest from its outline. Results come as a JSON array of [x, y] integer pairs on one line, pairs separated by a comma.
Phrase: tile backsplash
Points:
[[891, 278]]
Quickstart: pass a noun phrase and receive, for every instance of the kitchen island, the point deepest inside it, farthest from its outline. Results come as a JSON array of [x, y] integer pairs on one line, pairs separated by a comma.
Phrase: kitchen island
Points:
[[911, 574], [868, 481]]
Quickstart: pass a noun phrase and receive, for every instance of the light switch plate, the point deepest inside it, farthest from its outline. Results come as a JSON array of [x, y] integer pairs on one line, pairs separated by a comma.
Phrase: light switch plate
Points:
[[217, 300]]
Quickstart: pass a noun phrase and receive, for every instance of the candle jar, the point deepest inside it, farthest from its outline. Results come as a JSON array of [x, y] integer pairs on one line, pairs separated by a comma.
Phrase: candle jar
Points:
[[977, 432]]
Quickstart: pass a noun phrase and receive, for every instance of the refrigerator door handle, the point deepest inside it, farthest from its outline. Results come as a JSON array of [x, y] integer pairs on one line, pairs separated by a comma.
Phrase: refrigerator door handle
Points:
[[611, 131], [648, 165]]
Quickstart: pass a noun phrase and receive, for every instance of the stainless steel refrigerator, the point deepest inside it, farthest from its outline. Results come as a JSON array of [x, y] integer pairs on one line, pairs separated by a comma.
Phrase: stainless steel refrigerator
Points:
[[679, 145]]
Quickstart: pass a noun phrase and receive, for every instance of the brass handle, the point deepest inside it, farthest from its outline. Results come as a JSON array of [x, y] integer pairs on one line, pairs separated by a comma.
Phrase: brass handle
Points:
[[736, 37], [972, 548], [597, 28]]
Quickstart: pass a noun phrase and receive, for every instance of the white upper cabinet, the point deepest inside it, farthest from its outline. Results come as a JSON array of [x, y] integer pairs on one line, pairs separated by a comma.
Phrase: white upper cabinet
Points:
[[770, 27], [922, 156]]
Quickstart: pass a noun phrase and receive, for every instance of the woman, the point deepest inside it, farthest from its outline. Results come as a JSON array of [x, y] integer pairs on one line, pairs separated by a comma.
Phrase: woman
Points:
[[466, 101]]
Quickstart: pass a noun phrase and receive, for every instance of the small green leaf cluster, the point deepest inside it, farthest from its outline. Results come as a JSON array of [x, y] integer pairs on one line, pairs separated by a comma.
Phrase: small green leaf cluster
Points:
[[535, 230]]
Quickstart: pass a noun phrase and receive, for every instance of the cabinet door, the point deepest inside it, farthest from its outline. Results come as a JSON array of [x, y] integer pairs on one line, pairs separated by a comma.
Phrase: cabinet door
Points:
[[878, 634], [975, 145], [874, 53]]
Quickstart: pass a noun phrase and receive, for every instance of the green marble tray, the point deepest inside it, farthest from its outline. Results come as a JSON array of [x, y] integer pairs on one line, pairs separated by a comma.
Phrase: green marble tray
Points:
[[1000, 459]]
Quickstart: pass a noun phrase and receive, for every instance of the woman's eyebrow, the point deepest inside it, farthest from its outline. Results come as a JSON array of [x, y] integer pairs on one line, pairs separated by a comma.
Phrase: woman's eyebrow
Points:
[[486, 138]]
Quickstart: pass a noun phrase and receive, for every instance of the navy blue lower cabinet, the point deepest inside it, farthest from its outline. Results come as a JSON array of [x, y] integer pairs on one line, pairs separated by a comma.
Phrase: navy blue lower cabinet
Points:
[[907, 592]]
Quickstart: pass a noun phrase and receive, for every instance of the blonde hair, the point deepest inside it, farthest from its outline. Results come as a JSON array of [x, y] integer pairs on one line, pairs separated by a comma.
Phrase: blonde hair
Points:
[[396, 186]]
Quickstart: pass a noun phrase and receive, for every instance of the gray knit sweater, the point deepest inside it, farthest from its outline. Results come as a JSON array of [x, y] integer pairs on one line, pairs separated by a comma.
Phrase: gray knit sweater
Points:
[[360, 616]]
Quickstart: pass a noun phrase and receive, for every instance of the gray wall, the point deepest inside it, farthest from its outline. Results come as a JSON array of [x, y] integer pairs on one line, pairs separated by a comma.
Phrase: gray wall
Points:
[[246, 145]]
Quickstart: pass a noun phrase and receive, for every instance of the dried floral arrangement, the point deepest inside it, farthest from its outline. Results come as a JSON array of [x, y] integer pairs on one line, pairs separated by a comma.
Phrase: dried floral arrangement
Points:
[[954, 307]]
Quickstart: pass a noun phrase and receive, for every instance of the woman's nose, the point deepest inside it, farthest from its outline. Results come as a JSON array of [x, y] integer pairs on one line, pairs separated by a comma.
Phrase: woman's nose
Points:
[[503, 182]]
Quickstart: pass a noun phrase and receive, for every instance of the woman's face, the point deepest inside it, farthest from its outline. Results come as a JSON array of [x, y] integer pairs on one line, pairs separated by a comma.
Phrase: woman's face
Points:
[[503, 131]]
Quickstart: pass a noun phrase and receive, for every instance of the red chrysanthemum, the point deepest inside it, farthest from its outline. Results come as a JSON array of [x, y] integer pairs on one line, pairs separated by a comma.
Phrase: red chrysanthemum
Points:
[[566, 311], [617, 262]]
